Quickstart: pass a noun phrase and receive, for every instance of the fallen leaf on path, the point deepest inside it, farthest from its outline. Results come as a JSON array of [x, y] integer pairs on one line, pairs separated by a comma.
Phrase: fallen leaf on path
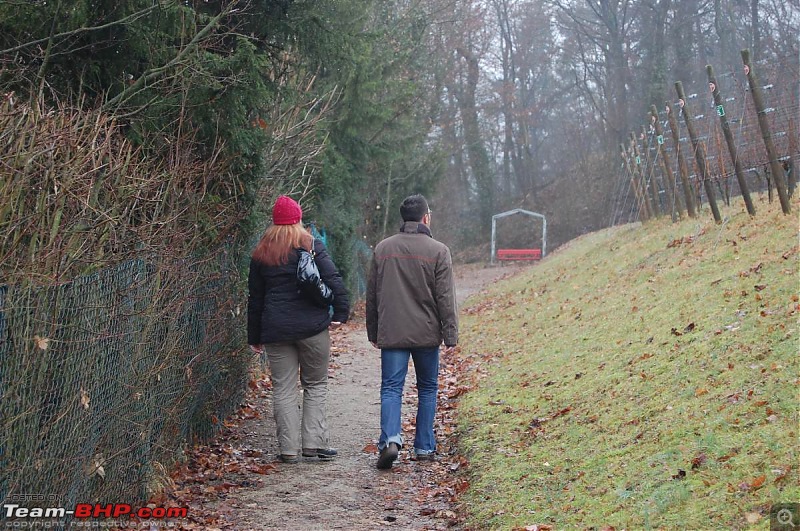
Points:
[[371, 448], [461, 485], [263, 469]]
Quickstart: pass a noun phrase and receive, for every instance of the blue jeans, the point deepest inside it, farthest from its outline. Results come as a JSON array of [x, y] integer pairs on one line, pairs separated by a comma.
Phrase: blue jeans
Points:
[[394, 367]]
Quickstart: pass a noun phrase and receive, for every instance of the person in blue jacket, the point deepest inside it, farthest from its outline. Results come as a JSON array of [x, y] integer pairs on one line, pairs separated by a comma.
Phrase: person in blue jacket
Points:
[[293, 331]]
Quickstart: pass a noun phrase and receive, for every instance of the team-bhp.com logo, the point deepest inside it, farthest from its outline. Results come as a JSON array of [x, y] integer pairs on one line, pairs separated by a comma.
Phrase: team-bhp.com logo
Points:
[[16, 515]]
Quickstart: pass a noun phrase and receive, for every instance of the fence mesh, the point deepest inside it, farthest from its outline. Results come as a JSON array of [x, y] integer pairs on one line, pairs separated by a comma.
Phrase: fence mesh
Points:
[[104, 379]]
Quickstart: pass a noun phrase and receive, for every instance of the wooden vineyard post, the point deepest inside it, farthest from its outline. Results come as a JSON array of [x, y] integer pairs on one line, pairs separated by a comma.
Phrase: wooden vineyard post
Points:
[[726, 188], [653, 180], [726, 131], [688, 192], [699, 152], [674, 199], [637, 157], [635, 184], [774, 163]]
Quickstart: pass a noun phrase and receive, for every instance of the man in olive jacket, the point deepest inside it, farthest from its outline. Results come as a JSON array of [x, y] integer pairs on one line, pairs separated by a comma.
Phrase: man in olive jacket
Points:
[[411, 310]]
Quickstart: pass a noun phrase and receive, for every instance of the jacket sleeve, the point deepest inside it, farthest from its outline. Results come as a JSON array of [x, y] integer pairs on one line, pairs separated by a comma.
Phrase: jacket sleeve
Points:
[[372, 301], [446, 305], [255, 304], [330, 276]]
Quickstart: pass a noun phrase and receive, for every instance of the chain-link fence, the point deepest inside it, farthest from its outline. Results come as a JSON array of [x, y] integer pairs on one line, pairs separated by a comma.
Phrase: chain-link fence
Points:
[[104, 379]]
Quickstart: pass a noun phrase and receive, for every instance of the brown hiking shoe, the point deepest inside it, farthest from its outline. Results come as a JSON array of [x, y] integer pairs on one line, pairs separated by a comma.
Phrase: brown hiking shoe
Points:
[[388, 456]]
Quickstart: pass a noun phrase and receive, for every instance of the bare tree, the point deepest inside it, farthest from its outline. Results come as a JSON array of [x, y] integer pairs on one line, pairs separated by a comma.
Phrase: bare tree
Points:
[[601, 31]]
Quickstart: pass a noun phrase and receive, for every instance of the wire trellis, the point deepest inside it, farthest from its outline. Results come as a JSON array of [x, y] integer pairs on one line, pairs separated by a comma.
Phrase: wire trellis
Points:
[[779, 86]]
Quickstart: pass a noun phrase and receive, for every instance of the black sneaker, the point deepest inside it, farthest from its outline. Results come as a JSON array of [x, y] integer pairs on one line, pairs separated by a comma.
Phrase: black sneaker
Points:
[[290, 459], [425, 457], [388, 456], [326, 454]]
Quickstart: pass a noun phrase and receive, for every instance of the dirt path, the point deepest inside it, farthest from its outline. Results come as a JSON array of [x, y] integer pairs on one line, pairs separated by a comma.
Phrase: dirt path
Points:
[[349, 492]]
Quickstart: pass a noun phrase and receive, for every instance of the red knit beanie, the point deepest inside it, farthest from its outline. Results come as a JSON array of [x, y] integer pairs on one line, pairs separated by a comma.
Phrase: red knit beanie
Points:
[[286, 211]]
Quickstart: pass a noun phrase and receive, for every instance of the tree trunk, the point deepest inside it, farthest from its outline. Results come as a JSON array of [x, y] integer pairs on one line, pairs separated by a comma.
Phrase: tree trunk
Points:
[[656, 66], [756, 31], [684, 37], [476, 150], [508, 89], [618, 69]]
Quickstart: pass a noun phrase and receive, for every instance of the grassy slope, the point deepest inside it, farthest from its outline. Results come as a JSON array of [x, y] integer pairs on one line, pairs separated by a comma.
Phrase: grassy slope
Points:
[[591, 328]]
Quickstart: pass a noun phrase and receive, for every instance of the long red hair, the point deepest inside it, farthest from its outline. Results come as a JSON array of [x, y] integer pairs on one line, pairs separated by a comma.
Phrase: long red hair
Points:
[[279, 241]]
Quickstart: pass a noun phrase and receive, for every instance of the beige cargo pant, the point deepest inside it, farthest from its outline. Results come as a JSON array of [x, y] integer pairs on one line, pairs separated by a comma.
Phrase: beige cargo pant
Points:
[[307, 427]]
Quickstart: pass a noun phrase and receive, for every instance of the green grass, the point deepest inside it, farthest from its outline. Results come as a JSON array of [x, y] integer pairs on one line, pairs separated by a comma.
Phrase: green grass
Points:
[[661, 360]]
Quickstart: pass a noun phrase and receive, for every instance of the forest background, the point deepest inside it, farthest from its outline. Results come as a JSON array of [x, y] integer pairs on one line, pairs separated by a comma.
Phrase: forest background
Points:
[[349, 106]]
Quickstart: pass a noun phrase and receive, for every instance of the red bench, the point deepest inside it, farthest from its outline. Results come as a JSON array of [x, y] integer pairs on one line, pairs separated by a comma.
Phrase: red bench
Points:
[[519, 254]]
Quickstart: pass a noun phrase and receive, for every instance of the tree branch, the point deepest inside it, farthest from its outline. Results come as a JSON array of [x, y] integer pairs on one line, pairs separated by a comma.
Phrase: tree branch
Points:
[[71, 33], [154, 73]]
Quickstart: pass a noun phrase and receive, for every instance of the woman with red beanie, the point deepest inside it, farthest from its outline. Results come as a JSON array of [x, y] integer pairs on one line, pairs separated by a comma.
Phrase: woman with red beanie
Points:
[[292, 330]]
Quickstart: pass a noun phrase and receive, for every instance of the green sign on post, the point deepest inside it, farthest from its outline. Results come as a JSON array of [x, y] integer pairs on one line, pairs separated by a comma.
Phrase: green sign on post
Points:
[[660, 139], [638, 159], [720, 110]]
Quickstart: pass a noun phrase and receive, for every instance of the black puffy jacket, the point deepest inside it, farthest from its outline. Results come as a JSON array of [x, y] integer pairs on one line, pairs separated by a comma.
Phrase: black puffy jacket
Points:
[[277, 311]]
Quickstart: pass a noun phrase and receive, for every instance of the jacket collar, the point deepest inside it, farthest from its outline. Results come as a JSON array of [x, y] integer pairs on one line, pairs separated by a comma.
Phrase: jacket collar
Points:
[[415, 227]]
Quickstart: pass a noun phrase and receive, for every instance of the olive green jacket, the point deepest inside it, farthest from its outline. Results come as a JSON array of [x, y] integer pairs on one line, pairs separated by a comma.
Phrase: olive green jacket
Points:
[[411, 297]]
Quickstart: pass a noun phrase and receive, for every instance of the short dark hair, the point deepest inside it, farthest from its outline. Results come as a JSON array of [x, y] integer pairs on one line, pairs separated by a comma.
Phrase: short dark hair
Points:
[[414, 207]]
